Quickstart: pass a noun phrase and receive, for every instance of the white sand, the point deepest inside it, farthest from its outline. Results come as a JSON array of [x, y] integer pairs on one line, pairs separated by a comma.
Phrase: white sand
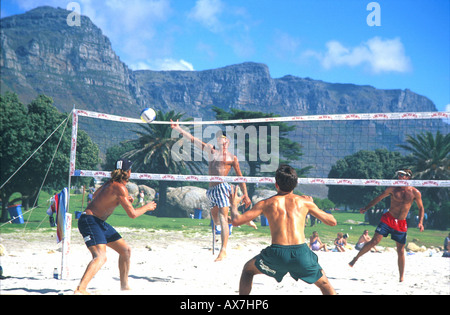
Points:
[[184, 265]]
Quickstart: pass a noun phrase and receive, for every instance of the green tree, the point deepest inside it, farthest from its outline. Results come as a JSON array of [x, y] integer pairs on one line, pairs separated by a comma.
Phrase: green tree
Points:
[[23, 130], [429, 159], [14, 144], [378, 164], [430, 155], [152, 153]]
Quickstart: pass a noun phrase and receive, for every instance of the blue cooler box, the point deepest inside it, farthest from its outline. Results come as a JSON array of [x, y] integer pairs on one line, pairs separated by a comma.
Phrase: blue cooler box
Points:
[[15, 211], [264, 221], [197, 213]]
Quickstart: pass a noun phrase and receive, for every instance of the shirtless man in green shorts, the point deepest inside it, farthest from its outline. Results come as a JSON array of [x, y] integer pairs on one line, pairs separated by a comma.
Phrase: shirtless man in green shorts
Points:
[[289, 252]]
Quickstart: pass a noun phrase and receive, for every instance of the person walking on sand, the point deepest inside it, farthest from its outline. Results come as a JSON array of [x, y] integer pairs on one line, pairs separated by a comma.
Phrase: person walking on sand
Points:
[[98, 234], [221, 162], [286, 213], [394, 221]]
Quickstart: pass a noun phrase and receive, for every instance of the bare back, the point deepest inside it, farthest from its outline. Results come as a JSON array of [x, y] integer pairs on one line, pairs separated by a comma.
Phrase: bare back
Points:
[[106, 200], [286, 214]]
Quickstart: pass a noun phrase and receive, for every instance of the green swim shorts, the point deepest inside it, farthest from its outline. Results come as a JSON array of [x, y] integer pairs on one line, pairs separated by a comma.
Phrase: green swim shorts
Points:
[[300, 261]]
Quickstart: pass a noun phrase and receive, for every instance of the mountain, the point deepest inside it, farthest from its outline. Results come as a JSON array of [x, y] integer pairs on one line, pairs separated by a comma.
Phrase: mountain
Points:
[[42, 54], [76, 66]]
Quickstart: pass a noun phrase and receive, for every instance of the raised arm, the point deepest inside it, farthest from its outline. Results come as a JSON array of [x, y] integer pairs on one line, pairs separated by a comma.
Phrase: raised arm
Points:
[[240, 219], [243, 187], [197, 142]]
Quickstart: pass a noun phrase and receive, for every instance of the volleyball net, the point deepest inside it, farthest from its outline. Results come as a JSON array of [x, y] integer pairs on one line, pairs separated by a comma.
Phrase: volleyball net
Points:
[[315, 145]]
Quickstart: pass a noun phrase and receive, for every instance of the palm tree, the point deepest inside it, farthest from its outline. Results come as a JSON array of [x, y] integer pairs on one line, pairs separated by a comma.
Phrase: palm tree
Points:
[[430, 155], [430, 160], [152, 152]]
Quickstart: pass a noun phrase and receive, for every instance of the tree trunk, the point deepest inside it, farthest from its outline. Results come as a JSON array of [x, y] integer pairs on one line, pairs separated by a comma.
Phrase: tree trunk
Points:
[[161, 208]]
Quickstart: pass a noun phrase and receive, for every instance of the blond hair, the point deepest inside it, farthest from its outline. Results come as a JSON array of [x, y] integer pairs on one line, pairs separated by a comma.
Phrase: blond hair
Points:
[[119, 176]]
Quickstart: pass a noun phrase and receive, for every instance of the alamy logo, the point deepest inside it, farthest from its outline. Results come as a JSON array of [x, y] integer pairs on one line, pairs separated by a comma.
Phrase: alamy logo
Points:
[[374, 17], [249, 144], [74, 18]]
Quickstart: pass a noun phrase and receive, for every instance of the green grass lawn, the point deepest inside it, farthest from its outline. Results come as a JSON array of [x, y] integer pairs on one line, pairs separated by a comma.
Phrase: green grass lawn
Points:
[[350, 223]]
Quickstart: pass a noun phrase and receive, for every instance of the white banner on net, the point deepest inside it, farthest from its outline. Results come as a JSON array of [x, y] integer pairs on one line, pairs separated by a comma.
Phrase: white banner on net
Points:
[[262, 180], [271, 180], [368, 116]]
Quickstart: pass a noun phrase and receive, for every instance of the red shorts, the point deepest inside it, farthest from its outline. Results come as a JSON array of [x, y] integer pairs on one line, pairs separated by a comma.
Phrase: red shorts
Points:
[[398, 225]]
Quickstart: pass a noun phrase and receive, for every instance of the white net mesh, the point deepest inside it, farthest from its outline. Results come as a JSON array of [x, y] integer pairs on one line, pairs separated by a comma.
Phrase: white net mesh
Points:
[[312, 144]]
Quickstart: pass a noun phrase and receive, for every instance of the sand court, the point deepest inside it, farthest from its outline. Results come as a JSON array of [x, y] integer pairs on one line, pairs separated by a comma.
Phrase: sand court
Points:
[[171, 263]]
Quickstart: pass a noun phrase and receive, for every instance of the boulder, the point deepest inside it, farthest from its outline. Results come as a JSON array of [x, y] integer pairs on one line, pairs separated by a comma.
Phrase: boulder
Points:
[[149, 192], [134, 189], [262, 194], [413, 247], [182, 201]]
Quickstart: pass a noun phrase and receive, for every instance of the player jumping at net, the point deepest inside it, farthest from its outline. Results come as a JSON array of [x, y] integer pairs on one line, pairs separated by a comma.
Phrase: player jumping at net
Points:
[[220, 163], [289, 252], [98, 234], [394, 221]]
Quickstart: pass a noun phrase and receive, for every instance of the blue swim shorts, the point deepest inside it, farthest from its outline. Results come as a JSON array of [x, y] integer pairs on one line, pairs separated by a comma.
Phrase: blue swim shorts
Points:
[[96, 231], [385, 230], [218, 195]]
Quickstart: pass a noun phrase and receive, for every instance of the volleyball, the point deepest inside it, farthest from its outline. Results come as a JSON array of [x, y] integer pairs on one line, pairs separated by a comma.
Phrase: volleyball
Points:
[[148, 115]]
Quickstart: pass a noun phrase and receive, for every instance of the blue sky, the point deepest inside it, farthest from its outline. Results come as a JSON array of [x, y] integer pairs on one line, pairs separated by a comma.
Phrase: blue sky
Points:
[[328, 40]]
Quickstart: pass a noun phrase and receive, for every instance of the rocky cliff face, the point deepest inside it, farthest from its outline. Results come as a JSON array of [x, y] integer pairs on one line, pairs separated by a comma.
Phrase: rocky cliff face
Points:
[[76, 65], [41, 53], [249, 86]]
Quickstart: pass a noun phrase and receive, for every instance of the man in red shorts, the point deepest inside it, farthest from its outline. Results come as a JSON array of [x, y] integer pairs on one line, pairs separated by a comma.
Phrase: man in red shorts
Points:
[[394, 221]]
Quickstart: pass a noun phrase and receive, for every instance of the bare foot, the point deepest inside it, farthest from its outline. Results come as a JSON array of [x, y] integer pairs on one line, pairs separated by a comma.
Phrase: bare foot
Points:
[[125, 288], [78, 291], [352, 262], [221, 256], [252, 224]]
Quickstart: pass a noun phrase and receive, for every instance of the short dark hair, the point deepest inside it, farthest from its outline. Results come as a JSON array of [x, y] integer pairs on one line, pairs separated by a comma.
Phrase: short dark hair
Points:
[[286, 178]]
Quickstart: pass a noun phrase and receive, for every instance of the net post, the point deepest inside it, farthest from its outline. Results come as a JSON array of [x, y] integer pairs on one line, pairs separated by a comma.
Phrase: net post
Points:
[[66, 246], [68, 220]]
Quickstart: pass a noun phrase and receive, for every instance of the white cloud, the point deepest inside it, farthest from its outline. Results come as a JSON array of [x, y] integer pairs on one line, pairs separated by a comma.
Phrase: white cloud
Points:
[[166, 64], [447, 108], [206, 12], [377, 54], [136, 28]]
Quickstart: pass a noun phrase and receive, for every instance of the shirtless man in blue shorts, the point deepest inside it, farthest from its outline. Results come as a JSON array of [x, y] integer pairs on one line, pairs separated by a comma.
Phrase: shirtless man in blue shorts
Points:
[[289, 252], [98, 234], [394, 221], [221, 162]]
